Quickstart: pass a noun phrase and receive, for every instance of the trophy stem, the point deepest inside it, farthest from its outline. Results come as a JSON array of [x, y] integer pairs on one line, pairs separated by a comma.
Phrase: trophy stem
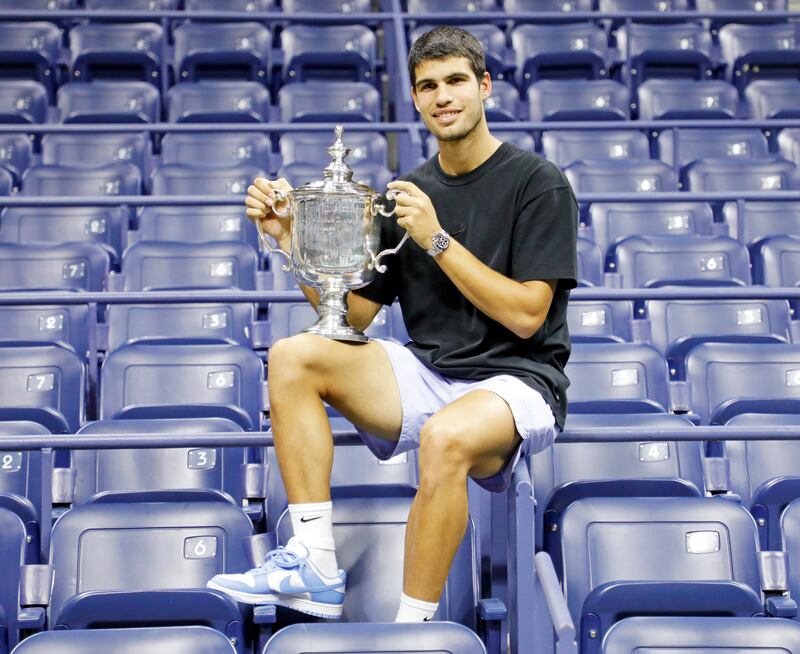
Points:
[[332, 309]]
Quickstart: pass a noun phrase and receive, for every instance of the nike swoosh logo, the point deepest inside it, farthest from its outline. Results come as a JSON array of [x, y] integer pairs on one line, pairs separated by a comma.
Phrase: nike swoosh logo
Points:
[[427, 619], [305, 519]]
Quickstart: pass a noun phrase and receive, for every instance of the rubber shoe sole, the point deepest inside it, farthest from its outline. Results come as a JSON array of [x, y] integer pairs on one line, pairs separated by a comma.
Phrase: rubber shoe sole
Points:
[[309, 607]]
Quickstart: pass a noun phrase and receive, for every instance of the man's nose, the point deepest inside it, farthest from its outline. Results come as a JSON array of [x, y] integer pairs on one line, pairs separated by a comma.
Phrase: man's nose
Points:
[[443, 96]]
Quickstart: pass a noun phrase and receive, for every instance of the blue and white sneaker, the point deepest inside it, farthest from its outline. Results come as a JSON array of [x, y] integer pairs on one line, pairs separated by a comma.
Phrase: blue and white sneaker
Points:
[[288, 577]]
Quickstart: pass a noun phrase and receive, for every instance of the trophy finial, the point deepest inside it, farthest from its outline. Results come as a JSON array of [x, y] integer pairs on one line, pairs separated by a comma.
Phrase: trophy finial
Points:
[[338, 170]]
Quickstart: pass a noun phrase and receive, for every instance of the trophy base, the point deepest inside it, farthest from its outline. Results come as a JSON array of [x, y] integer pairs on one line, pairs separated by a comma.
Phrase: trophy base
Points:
[[332, 322], [345, 333]]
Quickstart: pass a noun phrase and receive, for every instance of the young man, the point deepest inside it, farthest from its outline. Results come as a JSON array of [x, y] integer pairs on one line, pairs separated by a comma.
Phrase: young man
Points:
[[484, 296]]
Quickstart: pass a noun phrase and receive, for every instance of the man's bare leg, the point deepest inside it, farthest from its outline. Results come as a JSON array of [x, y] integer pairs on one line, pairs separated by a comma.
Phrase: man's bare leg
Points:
[[474, 435]]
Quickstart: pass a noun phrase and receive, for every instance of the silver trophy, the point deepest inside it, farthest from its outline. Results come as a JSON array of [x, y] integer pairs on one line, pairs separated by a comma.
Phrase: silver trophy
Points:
[[335, 238]]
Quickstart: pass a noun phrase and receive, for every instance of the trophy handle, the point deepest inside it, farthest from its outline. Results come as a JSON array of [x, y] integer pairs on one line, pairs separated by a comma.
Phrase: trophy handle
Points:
[[377, 207], [269, 247]]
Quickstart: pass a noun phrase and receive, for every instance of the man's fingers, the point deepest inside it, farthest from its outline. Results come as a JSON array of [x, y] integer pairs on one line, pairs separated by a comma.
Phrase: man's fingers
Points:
[[252, 203], [254, 192], [408, 187], [255, 214], [263, 185]]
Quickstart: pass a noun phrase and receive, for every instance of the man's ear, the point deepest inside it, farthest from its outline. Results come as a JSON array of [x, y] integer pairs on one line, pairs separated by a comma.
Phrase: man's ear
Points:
[[486, 86], [414, 98]]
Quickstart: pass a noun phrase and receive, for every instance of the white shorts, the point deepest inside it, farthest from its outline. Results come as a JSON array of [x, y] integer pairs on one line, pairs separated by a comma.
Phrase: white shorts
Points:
[[423, 392]]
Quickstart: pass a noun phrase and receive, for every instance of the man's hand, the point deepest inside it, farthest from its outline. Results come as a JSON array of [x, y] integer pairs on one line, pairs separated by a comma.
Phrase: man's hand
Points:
[[260, 201], [415, 213]]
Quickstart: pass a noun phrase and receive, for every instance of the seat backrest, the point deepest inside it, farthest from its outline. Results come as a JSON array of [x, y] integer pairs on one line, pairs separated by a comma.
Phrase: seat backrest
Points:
[[328, 52], [155, 640], [491, 38], [503, 103], [590, 263], [789, 144], [39, 39], [617, 378], [21, 478], [650, 261], [16, 151], [694, 144], [708, 6], [135, 5], [220, 149], [109, 179], [738, 40], [44, 5], [329, 101], [175, 379], [741, 175], [647, 5], [566, 147], [663, 38], [687, 99], [97, 149], [71, 266], [184, 179], [549, 6], [67, 326], [432, 6], [196, 224], [109, 102], [622, 176], [151, 266], [770, 98], [12, 556], [721, 378], [229, 102], [758, 220], [578, 100], [777, 261], [591, 321], [655, 539], [43, 384], [310, 147], [6, 182], [23, 101], [613, 221], [110, 51], [101, 471], [144, 546], [333, 6], [227, 51]]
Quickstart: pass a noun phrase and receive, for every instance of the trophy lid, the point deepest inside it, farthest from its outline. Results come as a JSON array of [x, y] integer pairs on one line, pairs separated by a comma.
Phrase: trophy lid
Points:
[[337, 175]]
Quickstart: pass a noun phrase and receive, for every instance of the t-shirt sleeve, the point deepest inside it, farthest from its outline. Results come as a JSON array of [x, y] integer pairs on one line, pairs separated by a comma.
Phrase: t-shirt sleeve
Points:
[[384, 287], [544, 242]]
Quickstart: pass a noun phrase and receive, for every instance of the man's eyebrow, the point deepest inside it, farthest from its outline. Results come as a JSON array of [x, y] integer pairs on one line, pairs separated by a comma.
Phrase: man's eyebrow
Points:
[[427, 80]]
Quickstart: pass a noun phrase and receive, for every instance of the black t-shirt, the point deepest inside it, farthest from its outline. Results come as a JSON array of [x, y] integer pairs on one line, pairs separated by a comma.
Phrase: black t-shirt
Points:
[[517, 214]]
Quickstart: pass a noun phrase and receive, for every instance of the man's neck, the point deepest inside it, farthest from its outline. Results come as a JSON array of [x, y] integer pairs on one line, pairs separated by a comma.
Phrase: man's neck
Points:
[[465, 155]]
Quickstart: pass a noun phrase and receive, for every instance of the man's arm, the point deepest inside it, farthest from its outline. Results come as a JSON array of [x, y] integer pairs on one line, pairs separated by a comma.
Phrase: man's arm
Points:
[[520, 307]]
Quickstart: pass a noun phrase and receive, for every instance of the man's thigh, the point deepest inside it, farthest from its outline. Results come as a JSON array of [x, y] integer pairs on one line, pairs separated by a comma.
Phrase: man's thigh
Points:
[[485, 428]]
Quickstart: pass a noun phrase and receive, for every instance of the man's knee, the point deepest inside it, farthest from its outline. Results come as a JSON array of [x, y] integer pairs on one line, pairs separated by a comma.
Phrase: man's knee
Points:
[[442, 451], [295, 359]]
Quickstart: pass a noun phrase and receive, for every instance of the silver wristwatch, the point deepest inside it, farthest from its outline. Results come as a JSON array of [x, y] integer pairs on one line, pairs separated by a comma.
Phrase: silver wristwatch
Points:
[[439, 243]]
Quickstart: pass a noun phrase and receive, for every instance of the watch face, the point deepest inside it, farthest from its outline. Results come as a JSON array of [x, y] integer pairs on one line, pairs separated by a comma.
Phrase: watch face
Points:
[[440, 241]]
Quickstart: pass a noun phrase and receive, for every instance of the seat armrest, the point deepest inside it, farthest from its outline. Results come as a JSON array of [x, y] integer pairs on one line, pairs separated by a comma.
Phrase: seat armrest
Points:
[[31, 619], [36, 584], [556, 604]]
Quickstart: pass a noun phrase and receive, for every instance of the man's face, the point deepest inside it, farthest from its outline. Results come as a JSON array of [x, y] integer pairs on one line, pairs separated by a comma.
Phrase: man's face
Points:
[[449, 98]]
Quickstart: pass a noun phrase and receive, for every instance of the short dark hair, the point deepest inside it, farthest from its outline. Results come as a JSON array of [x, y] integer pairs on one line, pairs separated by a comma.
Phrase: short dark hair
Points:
[[443, 42]]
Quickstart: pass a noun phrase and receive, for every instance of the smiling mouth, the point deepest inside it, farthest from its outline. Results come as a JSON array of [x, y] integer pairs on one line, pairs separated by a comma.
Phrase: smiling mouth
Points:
[[446, 115]]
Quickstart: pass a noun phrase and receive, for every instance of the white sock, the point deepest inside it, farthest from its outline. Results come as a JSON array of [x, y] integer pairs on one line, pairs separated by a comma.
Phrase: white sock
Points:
[[313, 525], [414, 610]]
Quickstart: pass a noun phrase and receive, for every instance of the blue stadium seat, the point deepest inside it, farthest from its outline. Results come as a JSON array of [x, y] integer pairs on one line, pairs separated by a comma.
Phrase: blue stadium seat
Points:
[[38, 5], [568, 472], [182, 379], [578, 100], [404, 638], [751, 222], [216, 149], [741, 175], [491, 37], [773, 99], [590, 263], [150, 562], [110, 179], [30, 50], [310, 147], [677, 50], [150, 266], [218, 102], [694, 144], [621, 176], [708, 6], [328, 52], [791, 543], [632, 556], [776, 261], [160, 640], [12, 555], [67, 326], [652, 261], [433, 6], [109, 102], [503, 103], [16, 151], [566, 147], [676, 326], [226, 51], [198, 224], [622, 6], [185, 179], [522, 140], [42, 383], [591, 321], [113, 51], [548, 6], [329, 102], [721, 378], [97, 150], [617, 378], [22, 101], [66, 267], [613, 221], [247, 6], [128, 323], [760, 52], [374, 175], [6, 182], [333, 6], [693, 635], [568, 51], [103, 226], [132, 5], [789, 144], [669, 99], [109, 471]]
